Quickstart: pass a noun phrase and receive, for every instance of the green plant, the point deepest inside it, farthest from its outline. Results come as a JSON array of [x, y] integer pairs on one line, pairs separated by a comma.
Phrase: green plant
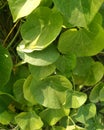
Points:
[[51, 64]]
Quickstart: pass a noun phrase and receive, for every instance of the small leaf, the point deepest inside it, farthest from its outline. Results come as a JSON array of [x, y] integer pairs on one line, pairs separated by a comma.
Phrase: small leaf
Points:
[[41, 72], [94, 94], [52, 116], [101, 94], [21, 8], [75, 99], [57, 128], [29, 121], [41, 29], [74, 127], [82, 42], [86, 112], [26, 90], [40, 58], [18, 91], [50, 92], [5, 66]]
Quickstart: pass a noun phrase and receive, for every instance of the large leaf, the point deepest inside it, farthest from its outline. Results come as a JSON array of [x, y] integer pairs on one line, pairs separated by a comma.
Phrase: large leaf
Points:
[[5, 66], [82, 42], [40, 58], [87, 71], [29, 121], [86, 112], [41, 29], [75, 99], [78, 12], [41, 72], [52, 116], [95, 92], [51, 92], [21, 8]]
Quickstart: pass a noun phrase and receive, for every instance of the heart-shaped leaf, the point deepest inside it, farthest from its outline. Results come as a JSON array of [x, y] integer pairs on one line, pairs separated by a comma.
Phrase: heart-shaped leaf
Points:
[[40, 30], [82, 42], [29, 121]]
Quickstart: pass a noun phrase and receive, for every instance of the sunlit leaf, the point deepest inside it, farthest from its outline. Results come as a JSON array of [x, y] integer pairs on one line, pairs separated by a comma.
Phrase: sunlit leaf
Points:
[[82, 42], [40, 30], [21, 8], [29, 121], [75, 99], [40, 58], [78, 12]]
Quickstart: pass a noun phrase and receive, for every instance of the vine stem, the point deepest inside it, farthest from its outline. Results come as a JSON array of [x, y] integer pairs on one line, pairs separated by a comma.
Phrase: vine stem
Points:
[[71, 120], [20, 63], [4, 43], [14, 38]]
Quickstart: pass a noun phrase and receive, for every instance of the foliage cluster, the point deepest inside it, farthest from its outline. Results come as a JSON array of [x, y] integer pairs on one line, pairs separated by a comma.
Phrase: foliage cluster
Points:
[[51, 64]]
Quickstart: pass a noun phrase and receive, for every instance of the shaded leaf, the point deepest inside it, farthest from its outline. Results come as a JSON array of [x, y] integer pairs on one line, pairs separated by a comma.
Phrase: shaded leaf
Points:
[[52, 116], [5, 66], [41, 72], [86, 112], [94, 94]]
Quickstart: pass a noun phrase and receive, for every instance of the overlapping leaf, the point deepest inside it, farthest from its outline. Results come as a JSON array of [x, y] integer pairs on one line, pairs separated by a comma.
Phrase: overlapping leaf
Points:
[[29, 121], [21, 8], [41, 29], [82, 42], [78, 12], [40, 58]]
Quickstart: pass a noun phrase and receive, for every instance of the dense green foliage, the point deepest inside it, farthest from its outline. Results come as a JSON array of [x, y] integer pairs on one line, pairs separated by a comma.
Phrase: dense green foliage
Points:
[[51, 64]]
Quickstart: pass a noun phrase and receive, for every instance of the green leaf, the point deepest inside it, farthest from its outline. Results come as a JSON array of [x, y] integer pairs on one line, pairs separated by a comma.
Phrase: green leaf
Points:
[[66, 63], [41, 72], [26, 90], [40, 58], [41, 29], [78, 12], [82, 42], [51, 92], [87, 71], [75, 99], [94, 94], [6, 117], [74, 127], [5, 66], [52, 116], [18, 91], [101, 94], [29, 121], [86, 112], [58, 128], [21, 8]]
